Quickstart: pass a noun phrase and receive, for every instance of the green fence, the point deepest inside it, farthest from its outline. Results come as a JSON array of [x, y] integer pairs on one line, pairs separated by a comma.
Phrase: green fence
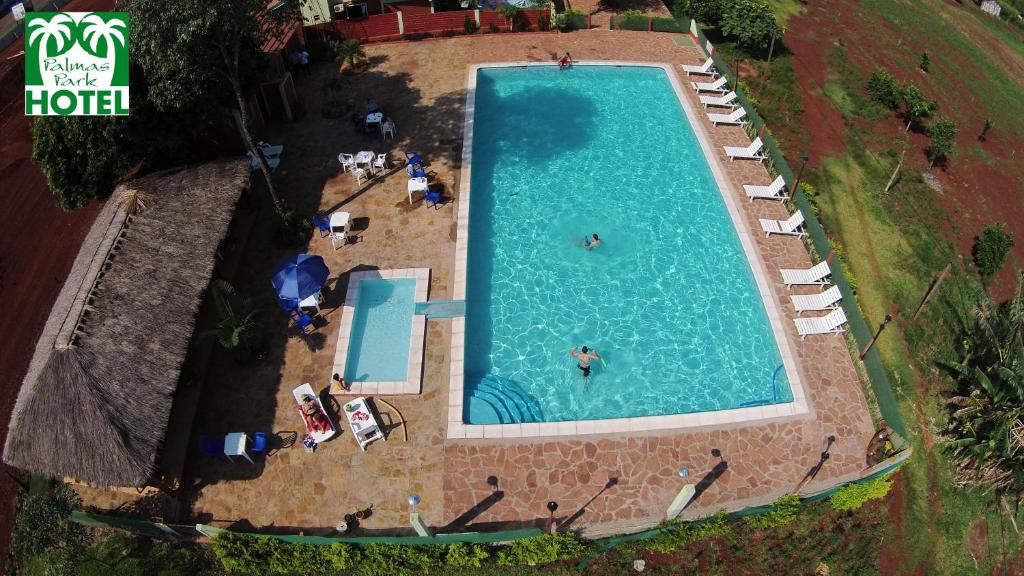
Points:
[[858, 326], [649, 23]]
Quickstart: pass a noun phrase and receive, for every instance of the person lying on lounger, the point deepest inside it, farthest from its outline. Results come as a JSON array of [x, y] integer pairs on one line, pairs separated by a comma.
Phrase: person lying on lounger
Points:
[[315, 417]]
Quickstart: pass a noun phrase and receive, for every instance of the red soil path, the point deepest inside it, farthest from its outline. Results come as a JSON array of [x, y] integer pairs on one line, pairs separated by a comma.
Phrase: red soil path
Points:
[[974, 194], [38, 244]]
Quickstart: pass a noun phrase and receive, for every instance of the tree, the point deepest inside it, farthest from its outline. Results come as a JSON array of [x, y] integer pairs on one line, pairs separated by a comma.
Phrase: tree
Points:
[[984, 130], [884, 89], [914, 104], [751, 22], [43, 528], [991, 248], [942, 140], [81, 156], [188, 48], [926, 62], [348, 51], [707, 11], [681, 9]]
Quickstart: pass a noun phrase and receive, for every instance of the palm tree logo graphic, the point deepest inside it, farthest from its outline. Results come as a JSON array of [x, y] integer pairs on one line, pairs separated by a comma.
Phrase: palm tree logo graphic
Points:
[[99, 36], [52, 36], [76, 38]]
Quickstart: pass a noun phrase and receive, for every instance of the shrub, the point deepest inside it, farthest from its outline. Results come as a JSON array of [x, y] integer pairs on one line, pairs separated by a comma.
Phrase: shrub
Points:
[[850, 278], [543, 549], [680, 9], [397, 559], [853, 496], [942, 139], [569, 20], [991, 248], [293, 230], [751, 22], [492, 28], [706, 11], [81, 156], [926, 62], [633, 20], [782, 513], [676, 533], [915, 106], [884, 89], [678, 26], [543, 23], [466, 555], [43, 529], [469, 25], [513, 14]]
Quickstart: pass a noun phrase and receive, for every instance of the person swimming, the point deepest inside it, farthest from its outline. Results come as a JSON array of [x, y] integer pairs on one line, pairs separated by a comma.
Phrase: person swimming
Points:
[[593, 242], [585, 356], [565, 61]]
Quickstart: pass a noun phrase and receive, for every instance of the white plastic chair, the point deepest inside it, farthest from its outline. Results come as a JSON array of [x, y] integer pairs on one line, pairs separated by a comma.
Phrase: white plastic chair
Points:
[[381, 162], [348, 161], [817, 275], [752, 152], [359, 174], [830, 323], [388, 129], [792, 226], [724, 100], [708, 67], [339, 229], [418, 184], [774, 191], [827, 300], [720, 85]]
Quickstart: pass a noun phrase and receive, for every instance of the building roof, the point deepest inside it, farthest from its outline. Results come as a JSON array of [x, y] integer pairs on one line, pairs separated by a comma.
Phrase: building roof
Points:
[[96, 401]]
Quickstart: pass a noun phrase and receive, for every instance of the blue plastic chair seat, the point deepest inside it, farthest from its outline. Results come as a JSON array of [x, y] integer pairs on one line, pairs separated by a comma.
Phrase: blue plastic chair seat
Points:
[[323, 224], [433, 197], [259, 442], [211, 445]]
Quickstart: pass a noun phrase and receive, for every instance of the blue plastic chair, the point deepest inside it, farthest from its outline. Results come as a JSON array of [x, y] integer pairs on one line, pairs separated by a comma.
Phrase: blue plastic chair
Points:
[[432, 196], [303, 321], [323, 223], [413, 157], [211, 445], [259, 443]]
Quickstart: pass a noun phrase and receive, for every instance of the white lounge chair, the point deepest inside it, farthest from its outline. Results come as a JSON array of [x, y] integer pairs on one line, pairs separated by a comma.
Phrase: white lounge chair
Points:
[[774, 191], [817, 275], [720, 85], [752, 152], [737, 117], [792, 226], [254, 162], [301, 392], [707, 68], [827, 300], [724, 100], [830, 323], [269, 150]]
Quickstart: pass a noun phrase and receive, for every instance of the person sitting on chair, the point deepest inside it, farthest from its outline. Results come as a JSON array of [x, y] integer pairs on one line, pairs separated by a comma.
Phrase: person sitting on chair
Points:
[[565, 62]]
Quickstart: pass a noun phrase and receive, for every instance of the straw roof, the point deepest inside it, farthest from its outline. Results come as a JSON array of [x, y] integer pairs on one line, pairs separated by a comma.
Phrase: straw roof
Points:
[[96, 401]]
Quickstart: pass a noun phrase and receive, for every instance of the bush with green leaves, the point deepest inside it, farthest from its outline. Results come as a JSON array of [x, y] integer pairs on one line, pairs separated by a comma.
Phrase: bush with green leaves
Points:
[[680, 9], [782, 513], [43, 530], [707, 11], [378, 559], [246, 554], [751, 22], [915, 105], [569, 20], [466, 555], [469, 25], [81, 156], [293, 229], [514, 15], [926, 62], [885, 90], [991, 248], [674, 534], [941, 139], [543, 549], [853, 496]]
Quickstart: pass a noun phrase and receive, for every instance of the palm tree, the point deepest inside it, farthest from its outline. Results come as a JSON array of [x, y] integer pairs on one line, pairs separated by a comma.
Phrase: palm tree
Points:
[[59, 30], [93, 29], [349, 51]]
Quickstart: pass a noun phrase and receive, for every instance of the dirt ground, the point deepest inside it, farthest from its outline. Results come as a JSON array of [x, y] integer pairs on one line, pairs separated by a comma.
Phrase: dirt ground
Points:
[[38, 244], [976, 191]]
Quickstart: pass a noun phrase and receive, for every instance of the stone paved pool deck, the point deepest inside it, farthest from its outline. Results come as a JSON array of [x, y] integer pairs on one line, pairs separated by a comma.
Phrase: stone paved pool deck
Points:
[[604, 482]]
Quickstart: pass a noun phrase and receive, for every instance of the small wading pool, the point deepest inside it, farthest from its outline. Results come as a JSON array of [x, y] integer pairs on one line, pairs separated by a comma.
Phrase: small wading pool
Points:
[[380, 338], [670, 298], [381, 330]]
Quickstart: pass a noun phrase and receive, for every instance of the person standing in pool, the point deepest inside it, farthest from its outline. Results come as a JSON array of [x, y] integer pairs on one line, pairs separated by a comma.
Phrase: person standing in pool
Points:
[[592, 242], [585, 356]]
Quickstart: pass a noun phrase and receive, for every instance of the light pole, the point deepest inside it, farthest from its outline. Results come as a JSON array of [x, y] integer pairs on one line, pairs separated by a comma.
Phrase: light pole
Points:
[[552, 524], [684, 496], [414, 517], [871, 343], [803, 164]]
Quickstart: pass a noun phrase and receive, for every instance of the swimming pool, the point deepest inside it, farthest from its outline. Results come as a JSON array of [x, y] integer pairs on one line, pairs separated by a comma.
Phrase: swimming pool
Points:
[[380, 337], [669, 299]]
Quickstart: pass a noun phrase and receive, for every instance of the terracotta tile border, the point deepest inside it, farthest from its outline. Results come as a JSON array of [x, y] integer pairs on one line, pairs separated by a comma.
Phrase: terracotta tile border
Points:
[[458, 429], [414, 374]]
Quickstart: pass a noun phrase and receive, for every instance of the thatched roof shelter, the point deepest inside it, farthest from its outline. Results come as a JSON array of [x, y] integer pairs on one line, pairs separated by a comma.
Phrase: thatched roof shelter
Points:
[[96, 401]]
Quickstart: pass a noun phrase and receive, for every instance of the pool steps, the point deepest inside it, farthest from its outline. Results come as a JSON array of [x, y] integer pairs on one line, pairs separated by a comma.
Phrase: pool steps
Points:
[[509, 402]]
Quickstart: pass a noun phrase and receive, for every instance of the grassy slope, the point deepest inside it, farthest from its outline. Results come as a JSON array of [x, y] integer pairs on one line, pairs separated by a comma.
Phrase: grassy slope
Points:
[[893, 243]]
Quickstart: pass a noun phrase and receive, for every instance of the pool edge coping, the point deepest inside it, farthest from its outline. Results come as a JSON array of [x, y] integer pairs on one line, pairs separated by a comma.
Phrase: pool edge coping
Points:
[[457, 429], [414, 371]]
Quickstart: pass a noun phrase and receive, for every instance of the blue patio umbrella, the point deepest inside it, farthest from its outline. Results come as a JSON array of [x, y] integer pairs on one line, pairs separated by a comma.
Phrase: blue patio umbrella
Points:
[[299, 277]]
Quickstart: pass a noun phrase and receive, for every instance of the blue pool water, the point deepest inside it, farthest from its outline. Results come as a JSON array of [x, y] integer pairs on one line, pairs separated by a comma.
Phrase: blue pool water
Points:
[[668, 299], [378, 349]]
